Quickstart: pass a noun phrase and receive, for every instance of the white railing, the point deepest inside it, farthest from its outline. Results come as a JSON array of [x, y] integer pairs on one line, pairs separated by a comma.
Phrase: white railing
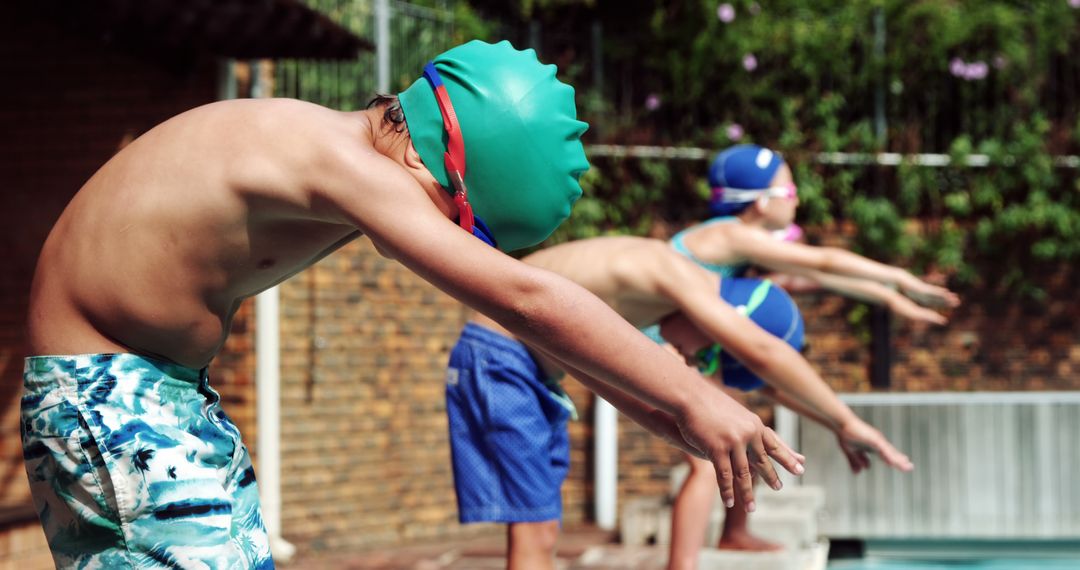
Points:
[[838, 158], [987, 465]]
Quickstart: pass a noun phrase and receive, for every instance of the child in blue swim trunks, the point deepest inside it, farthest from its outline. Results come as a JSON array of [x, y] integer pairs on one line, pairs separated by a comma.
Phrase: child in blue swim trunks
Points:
[[507, 415], [130, 459]]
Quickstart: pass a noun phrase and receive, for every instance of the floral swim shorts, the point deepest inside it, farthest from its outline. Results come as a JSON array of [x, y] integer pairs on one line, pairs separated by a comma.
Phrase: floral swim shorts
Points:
[[133, 464]]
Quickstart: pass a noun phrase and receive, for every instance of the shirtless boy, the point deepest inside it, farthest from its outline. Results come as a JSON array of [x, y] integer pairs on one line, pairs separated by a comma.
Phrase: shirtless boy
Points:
[[130, 458], [508, 416]]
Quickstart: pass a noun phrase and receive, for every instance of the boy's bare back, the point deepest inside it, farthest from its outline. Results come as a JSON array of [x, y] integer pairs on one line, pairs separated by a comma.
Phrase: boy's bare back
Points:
[[635, 276], [157, 250]]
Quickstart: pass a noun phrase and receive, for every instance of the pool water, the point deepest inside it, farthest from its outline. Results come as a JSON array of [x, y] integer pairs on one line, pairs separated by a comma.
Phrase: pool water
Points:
[[959, 555], [995, 564]]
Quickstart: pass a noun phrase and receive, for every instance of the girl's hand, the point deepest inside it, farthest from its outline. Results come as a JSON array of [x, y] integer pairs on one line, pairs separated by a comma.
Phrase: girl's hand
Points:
[[929, 295], [909, 310]]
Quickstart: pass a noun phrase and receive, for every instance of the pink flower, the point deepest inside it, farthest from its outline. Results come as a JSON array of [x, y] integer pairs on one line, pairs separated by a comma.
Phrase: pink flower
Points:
[[652, 102], [957, 67], [735, 132], [726, 13], [749, 62], [1074, 3], [976, 71]]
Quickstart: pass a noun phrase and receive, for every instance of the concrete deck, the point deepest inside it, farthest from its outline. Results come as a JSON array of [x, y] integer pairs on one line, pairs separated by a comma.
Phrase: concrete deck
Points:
[[789, 517], [580, 548]]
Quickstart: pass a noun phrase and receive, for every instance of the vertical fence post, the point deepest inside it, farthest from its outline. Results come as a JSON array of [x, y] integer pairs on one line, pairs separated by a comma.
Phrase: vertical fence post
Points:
[[382, 45], [880, 132], [227, 79], [268, 388], [880, 333], [534, 35], [597, 37], [606, 463], [597, 47]]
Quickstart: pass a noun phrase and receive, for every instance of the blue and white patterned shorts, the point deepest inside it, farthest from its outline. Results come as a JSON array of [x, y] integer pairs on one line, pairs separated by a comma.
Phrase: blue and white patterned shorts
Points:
[[133, 463]]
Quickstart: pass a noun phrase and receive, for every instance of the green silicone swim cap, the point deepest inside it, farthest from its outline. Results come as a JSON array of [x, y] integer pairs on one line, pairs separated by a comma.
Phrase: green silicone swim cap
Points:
[[522, 138]]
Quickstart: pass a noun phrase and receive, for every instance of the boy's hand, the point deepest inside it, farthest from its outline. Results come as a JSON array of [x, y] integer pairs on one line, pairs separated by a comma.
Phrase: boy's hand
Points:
[[738, 444], [928, 295], [858, 440]]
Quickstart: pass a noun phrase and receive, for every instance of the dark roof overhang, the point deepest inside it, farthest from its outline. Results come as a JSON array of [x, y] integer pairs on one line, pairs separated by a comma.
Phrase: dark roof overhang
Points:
[[182, 29]]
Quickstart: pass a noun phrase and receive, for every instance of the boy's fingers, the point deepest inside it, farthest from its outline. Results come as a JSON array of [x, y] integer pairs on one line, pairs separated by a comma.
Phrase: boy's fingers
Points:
[[893, 457], [784, 455], [864, 460], [763, 466], [744, 480], [854, 461], [725, 480], [900, 461]]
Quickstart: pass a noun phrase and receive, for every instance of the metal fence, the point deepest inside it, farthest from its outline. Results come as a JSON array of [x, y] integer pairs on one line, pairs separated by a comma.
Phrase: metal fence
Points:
[[406, 37], [987, 466]]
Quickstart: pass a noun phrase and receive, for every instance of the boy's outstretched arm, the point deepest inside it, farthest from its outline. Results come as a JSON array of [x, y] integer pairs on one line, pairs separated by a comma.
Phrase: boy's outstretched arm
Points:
[[856, 438], [655, 421], [695, 291], [793, 381], [670, 429], [377, 196], [658, 423], [761, 249]]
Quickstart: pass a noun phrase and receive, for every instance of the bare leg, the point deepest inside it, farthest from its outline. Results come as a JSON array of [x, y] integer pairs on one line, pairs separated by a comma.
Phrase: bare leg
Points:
[[531, 545], [690, 515], [736, 535]]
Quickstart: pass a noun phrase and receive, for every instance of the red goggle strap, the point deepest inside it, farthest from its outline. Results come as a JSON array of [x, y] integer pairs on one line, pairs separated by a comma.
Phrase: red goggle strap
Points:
[[454, 158], [461, 199]]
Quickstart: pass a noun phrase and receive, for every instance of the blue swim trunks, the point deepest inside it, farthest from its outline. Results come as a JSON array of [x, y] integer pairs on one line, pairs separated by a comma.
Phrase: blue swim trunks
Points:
[[508, 437], [133, 464]]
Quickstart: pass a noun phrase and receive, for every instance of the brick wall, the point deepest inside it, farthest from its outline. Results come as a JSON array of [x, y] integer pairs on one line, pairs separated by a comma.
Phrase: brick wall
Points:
[[364, 442], [68, 104], [366, 459]]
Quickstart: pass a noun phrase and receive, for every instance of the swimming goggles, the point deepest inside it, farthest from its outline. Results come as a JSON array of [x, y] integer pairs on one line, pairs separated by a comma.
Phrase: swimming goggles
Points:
[[454, 159], [744, 195], [707, 359]]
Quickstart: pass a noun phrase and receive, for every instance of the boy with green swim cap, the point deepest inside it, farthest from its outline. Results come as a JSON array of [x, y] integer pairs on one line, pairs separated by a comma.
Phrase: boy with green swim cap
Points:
[[507, 415], [522, 136], [130, 458]]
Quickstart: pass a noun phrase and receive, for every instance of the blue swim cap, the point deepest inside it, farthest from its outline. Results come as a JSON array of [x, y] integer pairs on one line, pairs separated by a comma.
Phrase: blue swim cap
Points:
[[738, 175], [769, 307]]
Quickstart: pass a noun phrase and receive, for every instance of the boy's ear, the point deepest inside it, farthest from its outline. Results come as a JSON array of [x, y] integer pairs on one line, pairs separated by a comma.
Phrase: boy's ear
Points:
[[761, 203], [412, 157]]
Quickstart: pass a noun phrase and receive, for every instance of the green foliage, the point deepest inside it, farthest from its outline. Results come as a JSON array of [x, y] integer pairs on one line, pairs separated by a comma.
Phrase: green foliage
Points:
[[993, 79], [624, 196], [963, 78]]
